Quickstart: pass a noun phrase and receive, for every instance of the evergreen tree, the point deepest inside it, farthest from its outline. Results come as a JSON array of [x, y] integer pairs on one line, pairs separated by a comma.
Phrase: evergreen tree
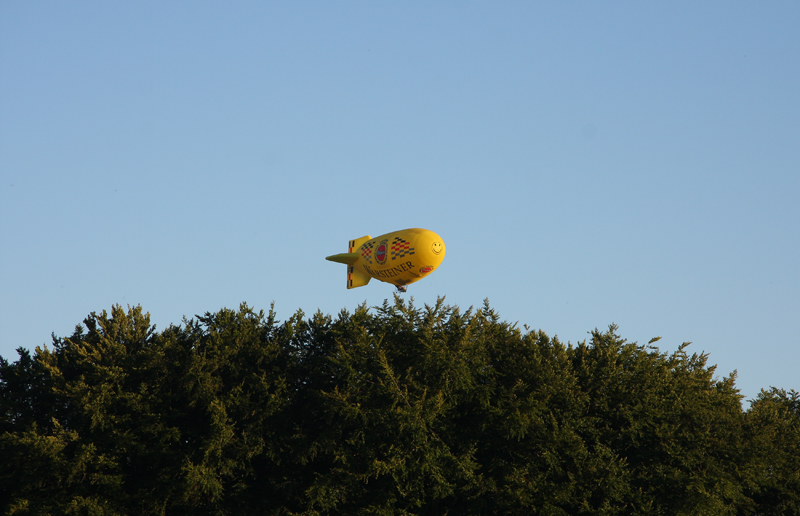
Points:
[[392, 410], [772, 434]]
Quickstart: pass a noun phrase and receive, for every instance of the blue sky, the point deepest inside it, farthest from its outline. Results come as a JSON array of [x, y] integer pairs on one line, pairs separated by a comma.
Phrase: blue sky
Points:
[[586, 163]]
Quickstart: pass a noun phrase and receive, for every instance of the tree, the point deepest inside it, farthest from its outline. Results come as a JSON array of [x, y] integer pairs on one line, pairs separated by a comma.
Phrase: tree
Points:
[[674, 427], [772, 433], [393, 410]]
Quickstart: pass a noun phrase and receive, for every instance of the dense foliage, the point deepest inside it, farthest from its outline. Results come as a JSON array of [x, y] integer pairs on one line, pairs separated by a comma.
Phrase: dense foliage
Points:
[[394, 410]]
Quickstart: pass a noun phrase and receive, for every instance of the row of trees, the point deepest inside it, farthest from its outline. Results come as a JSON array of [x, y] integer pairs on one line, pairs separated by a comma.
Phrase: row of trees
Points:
[[393, 410]]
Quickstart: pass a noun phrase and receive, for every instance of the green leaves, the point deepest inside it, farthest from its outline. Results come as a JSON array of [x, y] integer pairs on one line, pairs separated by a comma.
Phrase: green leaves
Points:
[[772, 434], [393, 410]]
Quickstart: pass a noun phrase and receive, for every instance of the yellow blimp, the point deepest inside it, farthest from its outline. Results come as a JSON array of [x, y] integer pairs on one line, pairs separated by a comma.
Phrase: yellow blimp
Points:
[[399, 258]]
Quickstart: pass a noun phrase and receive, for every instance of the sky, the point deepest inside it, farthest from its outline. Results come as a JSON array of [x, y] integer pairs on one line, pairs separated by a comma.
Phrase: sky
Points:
[[585, 163]]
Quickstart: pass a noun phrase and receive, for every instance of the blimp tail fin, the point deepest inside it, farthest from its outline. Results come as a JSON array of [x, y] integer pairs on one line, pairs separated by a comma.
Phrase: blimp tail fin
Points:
[[352, 245], [345, 258], [356, 277]]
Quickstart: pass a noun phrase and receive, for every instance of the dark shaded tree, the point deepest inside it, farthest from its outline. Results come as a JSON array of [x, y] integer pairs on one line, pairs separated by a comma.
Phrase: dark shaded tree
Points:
[[673, 426], [772, 435], [391, 410]]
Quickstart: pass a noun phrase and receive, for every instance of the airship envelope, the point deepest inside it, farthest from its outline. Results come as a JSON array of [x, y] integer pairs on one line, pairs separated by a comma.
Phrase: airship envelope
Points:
[[399, 258]]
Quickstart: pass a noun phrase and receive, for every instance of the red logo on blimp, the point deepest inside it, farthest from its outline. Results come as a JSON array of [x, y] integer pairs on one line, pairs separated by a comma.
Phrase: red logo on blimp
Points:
[[380, 252], [426, 269]]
